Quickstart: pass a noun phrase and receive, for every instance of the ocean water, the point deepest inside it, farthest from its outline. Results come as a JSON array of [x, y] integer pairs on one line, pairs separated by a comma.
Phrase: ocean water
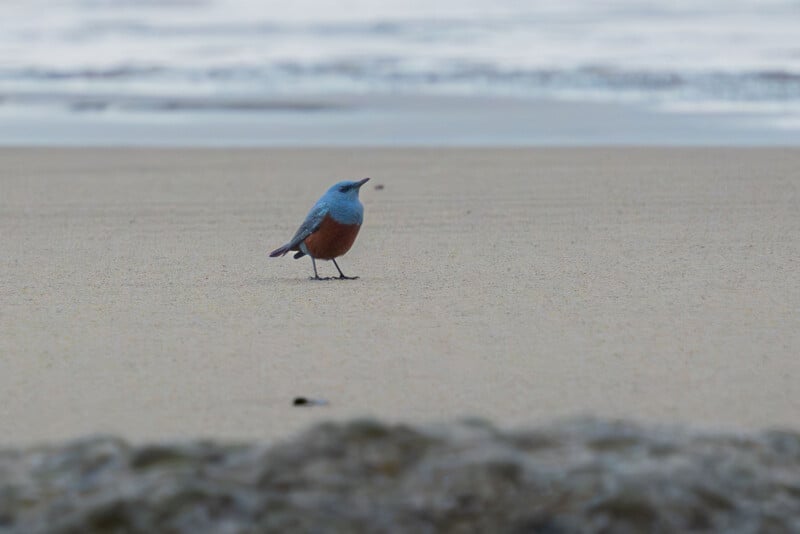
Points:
[[229, 56]]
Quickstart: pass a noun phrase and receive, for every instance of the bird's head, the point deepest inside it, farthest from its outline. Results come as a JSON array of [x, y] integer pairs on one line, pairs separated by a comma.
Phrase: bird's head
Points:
[[347, 188]]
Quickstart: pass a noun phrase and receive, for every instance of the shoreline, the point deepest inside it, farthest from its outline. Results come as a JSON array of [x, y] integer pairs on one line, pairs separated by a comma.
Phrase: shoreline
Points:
[[379, 120]]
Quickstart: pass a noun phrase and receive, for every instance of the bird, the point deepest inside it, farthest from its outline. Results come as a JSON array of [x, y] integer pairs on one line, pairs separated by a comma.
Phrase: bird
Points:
[[330, 228]]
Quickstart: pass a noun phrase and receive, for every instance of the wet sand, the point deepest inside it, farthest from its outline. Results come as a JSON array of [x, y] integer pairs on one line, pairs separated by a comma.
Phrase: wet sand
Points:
[[137, 298], [374, 120]]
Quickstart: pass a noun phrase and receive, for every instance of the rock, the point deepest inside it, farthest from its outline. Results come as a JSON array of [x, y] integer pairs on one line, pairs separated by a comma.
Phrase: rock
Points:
[[573, 476]]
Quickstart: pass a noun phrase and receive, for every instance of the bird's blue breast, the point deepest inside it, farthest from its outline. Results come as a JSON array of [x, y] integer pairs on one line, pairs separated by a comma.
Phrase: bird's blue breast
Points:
[[343, 209]]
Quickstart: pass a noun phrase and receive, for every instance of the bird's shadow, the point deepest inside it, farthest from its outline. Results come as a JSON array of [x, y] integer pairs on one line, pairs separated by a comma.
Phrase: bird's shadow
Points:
[[305, 281]]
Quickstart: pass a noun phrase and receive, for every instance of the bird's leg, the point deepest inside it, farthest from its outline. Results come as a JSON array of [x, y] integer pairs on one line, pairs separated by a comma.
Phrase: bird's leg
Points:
[[341, 274], [316, 276]]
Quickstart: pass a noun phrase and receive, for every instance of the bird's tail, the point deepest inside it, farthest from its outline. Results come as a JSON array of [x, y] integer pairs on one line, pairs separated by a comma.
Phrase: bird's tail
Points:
[[281, 251]]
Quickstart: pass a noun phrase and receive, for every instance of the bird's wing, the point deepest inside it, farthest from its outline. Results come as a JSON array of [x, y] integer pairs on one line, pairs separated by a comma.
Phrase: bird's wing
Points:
[[309, 226]]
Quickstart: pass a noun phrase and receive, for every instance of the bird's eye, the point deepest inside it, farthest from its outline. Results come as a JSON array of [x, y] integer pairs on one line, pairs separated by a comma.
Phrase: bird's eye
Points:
[[344, 189]]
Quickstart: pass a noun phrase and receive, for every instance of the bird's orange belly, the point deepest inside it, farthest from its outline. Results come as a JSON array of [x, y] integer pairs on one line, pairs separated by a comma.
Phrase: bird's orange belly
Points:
[[332, 239]]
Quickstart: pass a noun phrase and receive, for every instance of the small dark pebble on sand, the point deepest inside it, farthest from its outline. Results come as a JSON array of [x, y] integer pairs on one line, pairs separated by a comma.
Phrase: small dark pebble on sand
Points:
[[378, 187]]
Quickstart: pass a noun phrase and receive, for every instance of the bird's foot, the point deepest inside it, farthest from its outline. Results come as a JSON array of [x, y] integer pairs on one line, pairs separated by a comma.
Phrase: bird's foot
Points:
[[343, 277], [319, 278]]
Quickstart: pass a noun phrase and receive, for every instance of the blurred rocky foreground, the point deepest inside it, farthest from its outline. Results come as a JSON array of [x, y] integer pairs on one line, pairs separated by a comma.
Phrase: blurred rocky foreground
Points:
[[573, 476]]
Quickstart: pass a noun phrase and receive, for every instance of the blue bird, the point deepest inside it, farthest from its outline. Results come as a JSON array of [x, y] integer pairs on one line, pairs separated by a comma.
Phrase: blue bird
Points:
[[330, 227]]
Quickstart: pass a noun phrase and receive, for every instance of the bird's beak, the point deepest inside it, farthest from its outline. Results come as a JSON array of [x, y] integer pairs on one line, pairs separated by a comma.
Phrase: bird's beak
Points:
[[361, 182]]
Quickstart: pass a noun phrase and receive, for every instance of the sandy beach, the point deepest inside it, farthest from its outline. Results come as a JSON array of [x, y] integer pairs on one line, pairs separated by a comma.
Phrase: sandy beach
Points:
[[519, 285]]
